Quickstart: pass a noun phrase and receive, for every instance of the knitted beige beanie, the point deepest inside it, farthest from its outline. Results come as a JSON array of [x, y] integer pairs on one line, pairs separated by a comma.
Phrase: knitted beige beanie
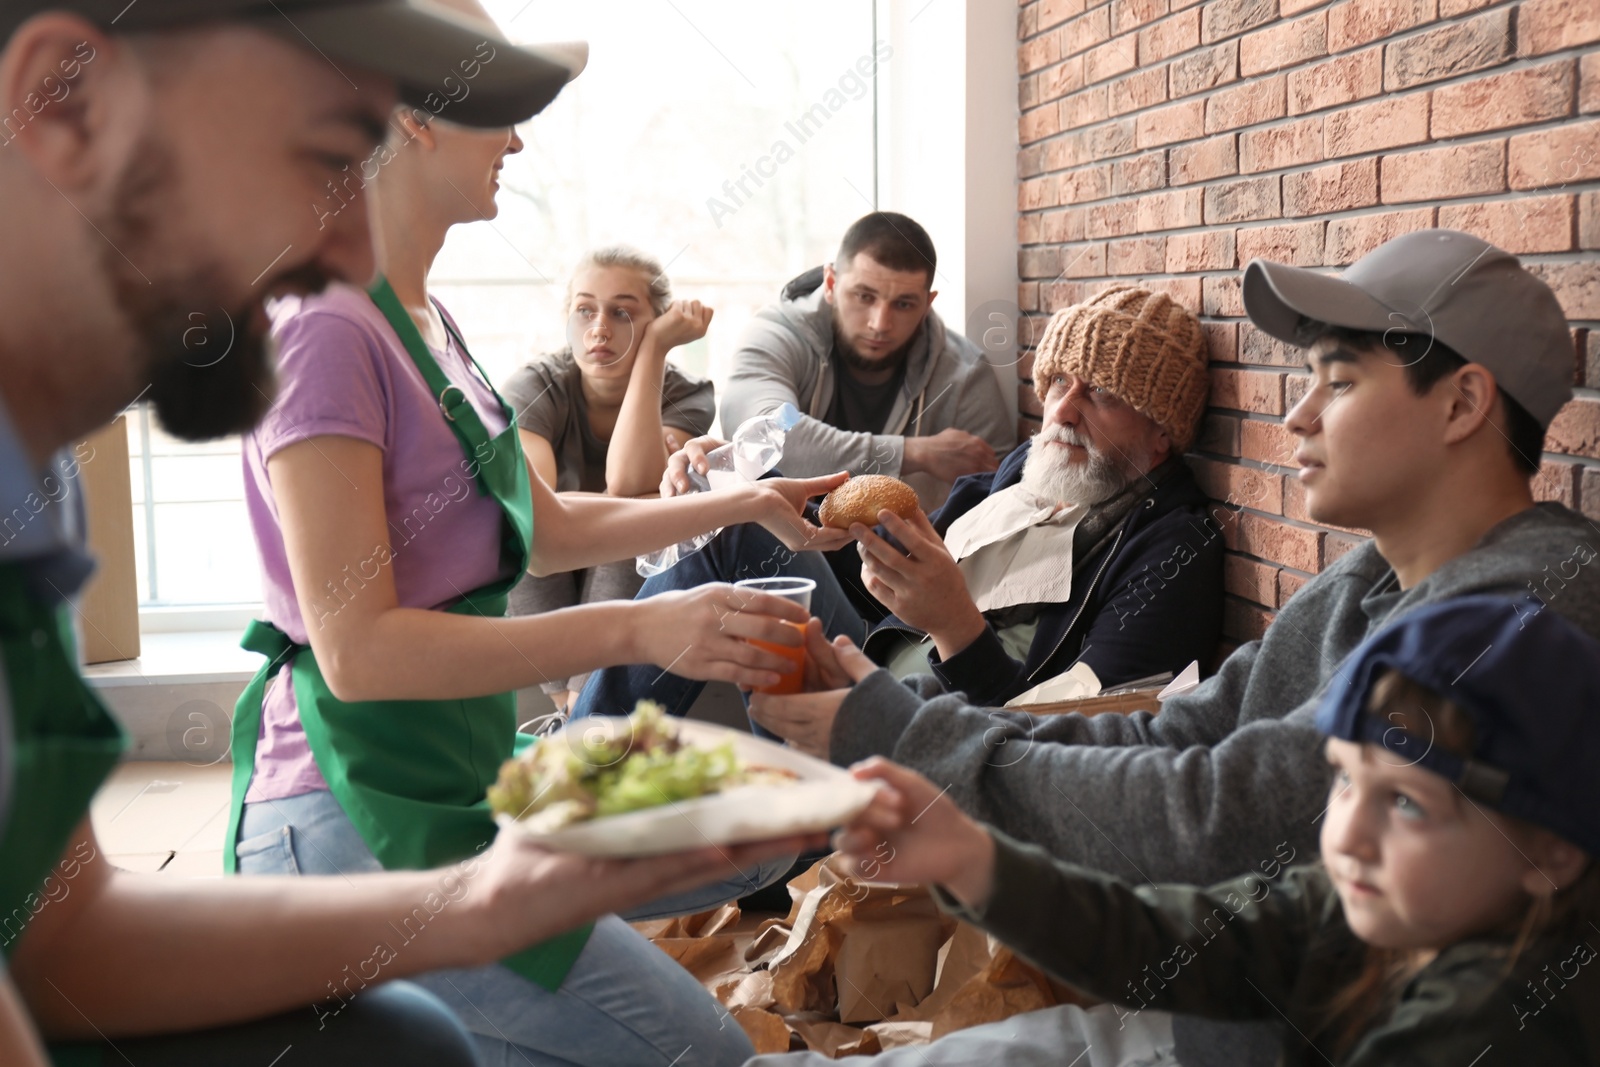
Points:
[[1139, 345]]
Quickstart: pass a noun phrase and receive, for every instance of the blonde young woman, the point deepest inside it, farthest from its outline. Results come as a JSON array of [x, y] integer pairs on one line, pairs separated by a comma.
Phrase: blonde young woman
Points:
[[603, 414], [394, 510]]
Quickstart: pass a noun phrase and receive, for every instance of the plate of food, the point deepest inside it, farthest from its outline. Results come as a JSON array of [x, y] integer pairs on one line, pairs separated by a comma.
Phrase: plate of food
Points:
[[646, 784]]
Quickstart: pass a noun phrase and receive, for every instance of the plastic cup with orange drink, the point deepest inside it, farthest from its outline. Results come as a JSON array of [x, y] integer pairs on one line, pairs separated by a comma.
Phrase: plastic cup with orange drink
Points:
[[799, 591]]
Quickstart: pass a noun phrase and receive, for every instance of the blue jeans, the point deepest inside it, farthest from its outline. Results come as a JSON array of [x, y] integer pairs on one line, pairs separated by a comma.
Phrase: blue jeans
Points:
[[738, 552], [1105, 1036], [624, 1004]]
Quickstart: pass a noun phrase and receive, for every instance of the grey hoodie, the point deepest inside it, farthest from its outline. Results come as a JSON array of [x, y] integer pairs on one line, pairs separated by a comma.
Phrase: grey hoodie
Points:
[[784, 356]]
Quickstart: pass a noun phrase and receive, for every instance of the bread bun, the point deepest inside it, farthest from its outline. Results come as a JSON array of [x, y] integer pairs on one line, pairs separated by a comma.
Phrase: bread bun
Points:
[[862, 497]]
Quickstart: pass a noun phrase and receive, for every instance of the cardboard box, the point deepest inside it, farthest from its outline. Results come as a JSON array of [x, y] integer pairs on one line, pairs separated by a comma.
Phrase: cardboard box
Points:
[[109, 606]]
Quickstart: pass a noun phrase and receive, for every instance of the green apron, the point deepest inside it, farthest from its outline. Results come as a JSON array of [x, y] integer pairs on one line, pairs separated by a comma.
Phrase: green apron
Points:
[[62, 746], [412, 774]]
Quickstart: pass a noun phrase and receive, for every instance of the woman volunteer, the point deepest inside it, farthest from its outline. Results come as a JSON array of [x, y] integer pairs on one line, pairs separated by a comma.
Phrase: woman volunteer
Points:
[[393, 510]]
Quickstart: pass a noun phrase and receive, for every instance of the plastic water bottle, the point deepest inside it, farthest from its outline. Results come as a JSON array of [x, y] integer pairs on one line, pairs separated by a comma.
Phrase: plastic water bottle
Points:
[[756, 448]]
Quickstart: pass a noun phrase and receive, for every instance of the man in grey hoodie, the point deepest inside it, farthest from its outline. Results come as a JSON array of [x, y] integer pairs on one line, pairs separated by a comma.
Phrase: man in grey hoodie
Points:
[[883, 386], [1438, 364]]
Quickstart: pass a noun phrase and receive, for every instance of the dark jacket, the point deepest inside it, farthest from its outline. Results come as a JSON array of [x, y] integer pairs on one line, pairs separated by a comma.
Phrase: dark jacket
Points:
[[1275, 945], [1148, 600]]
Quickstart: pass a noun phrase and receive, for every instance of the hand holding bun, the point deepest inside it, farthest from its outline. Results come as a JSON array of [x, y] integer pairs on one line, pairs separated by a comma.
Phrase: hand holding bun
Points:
[[862, 497]]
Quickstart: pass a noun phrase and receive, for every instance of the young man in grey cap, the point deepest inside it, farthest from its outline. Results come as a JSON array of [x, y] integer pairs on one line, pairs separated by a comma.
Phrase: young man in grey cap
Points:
[[168, 165], [1439, 362]]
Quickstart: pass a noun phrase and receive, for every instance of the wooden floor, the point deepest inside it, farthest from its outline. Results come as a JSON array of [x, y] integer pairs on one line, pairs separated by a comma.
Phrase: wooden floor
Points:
[[166, 817]]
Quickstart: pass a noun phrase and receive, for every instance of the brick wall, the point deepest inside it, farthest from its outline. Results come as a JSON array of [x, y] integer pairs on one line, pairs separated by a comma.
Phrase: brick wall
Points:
[[1169, 142]]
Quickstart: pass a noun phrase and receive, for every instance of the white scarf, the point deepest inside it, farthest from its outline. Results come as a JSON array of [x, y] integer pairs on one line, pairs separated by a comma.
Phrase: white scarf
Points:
[[1016, 548]]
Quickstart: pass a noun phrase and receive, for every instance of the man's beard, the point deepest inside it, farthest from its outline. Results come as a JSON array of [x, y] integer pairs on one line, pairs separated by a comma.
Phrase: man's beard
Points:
[[856, 361], [209, 372], [1050, 474]]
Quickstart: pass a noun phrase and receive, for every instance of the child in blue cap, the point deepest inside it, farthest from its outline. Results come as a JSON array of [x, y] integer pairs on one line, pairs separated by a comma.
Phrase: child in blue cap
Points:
[[1454, 918]]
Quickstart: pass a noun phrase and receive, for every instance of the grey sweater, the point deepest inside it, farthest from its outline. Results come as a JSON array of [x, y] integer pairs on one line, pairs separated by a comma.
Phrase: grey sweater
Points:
[[784, 356], [1229, 772]]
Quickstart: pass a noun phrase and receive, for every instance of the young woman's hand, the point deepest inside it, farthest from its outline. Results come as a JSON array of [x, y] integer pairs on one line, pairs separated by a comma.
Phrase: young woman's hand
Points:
[[684, 321], [675, 479], [518, 893], [705, 633], [913, 832], [780, 509]]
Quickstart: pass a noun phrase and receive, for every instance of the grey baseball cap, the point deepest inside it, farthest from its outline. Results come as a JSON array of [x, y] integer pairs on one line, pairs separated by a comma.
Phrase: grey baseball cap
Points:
[[1473, 297], [446, 62]]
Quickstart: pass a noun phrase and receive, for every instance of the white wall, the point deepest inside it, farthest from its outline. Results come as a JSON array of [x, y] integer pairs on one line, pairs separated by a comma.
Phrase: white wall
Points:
[[947, 156]]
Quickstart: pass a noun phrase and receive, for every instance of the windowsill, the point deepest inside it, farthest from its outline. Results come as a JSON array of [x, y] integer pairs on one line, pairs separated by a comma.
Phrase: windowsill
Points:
[[175, 702], [185, 658], [188, 619]]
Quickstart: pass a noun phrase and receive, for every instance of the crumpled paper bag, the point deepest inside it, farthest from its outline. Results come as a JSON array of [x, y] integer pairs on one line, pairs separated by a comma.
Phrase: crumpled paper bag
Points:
[[982, 981], [854, 949], [882, 957], [700, 943], [885, 966]]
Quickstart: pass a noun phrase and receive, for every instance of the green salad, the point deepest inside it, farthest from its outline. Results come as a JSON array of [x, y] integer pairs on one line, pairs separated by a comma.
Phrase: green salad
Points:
[[573, 777]]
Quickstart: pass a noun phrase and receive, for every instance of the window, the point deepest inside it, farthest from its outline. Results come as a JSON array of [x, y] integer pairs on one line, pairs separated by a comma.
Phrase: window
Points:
[[735, 142], [192, 540]]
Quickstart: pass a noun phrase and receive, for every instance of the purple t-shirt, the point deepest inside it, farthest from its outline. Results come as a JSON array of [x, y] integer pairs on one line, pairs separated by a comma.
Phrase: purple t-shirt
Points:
[[343, 372]]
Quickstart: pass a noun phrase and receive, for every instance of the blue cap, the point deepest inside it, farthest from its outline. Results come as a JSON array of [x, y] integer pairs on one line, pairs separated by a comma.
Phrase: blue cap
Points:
[[1530, 682]]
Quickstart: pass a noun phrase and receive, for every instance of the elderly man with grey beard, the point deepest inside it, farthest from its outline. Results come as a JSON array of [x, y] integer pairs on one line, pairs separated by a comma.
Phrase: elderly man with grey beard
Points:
[[1090, 544]]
